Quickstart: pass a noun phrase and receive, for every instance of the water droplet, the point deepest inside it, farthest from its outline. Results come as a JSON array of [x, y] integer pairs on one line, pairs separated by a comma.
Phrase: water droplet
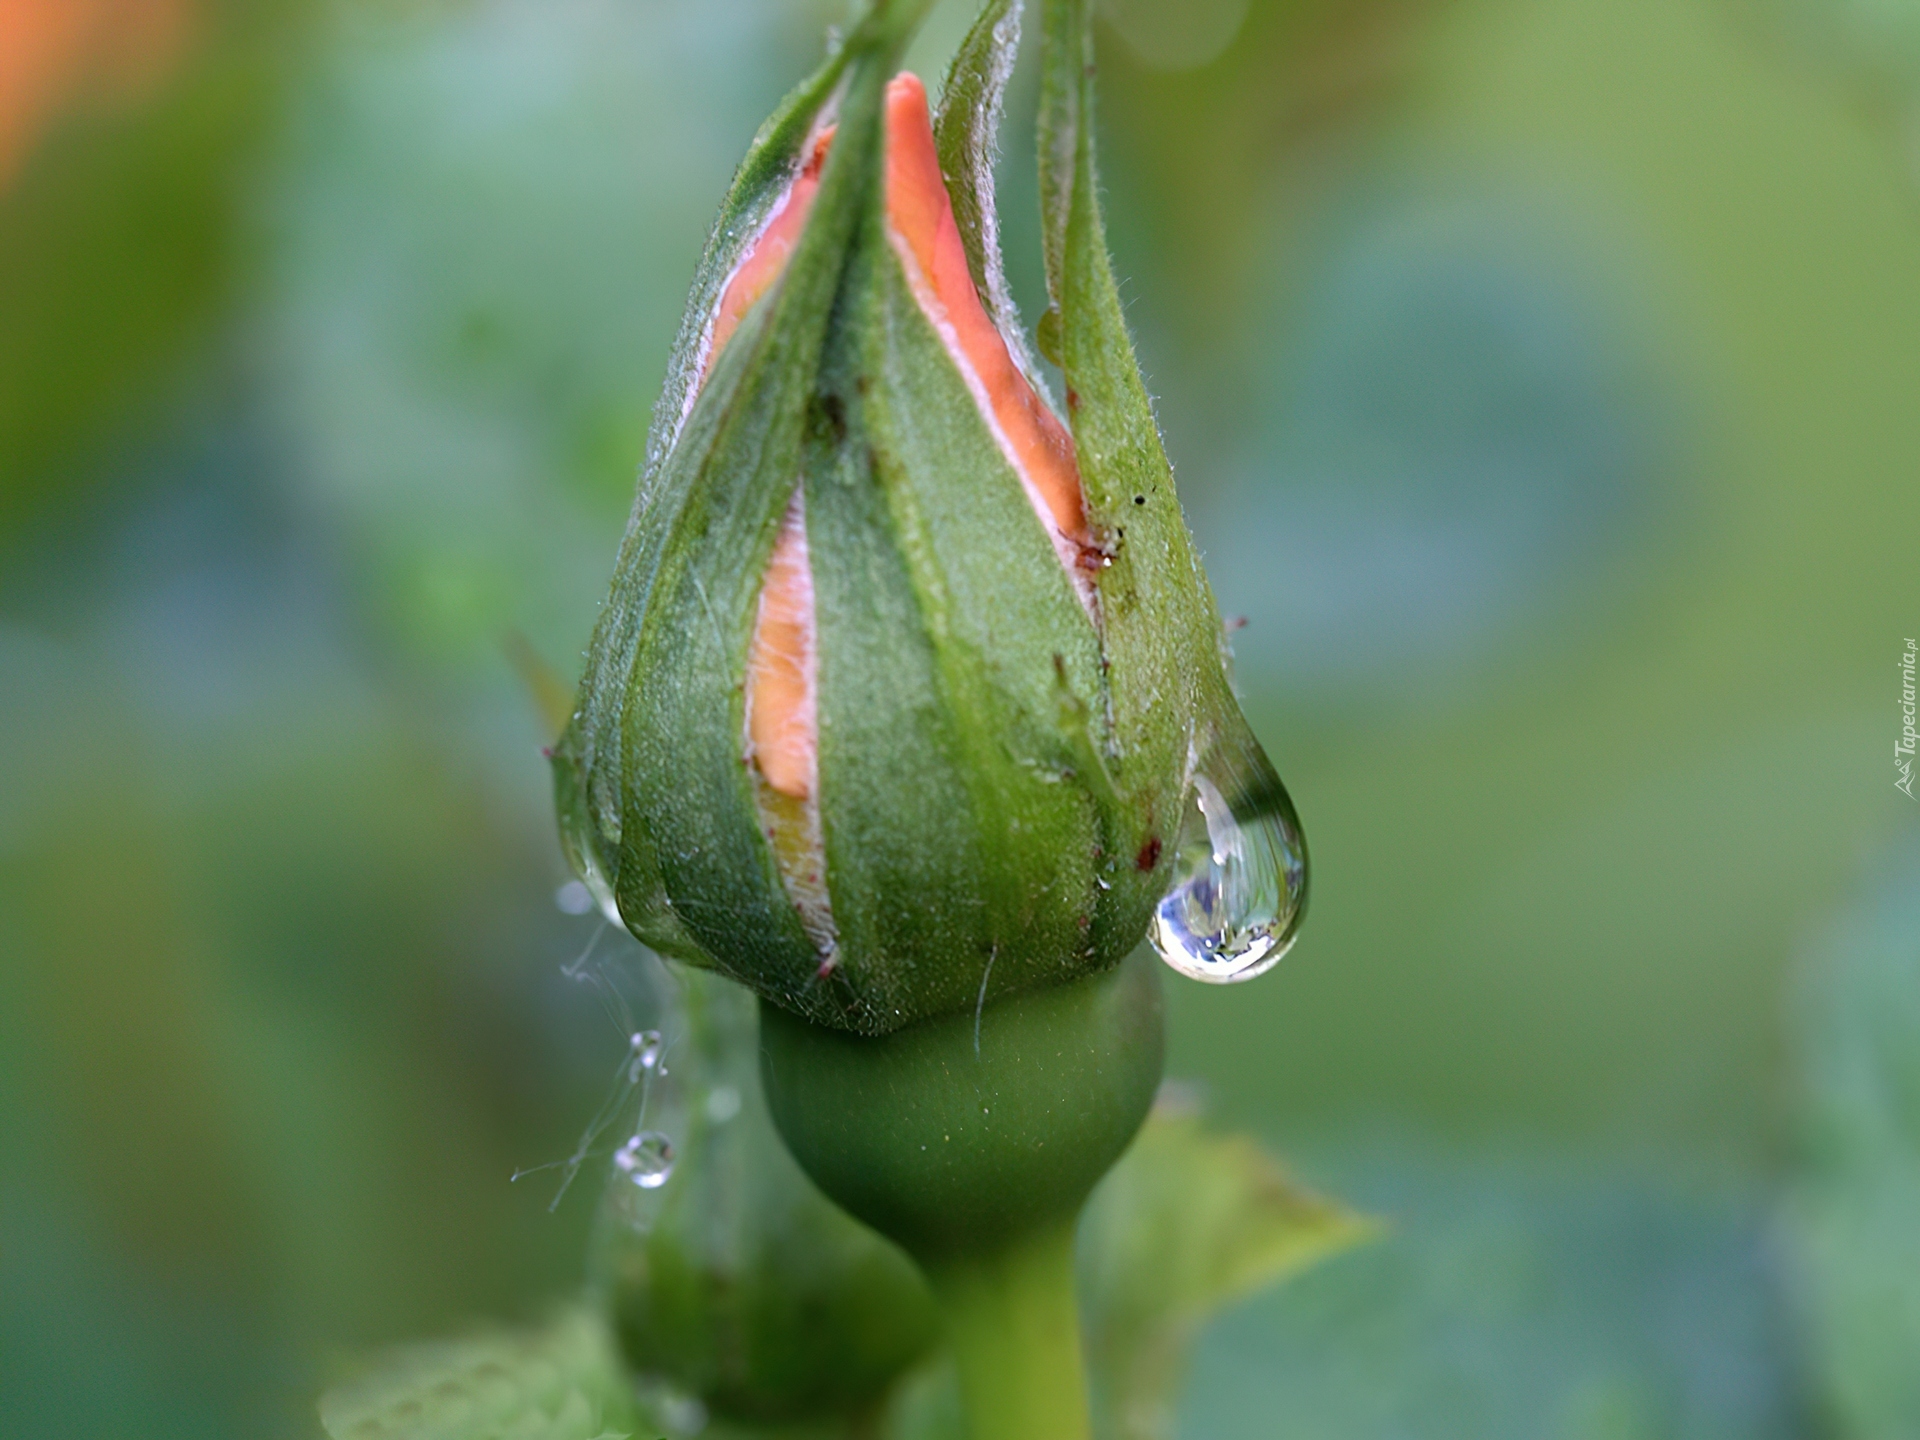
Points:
[[646, 1159], [723, 1104], [602, 893], [645, 1045], [573, 898], [1239, 871], [577, 840]]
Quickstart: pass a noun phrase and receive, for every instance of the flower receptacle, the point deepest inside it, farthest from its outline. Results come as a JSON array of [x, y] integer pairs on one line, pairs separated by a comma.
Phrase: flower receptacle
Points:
[[968, 1133]]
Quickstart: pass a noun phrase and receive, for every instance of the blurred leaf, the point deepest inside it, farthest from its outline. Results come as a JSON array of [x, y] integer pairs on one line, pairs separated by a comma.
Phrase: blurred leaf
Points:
[[483, 220], [560, 1383], [1855, 1211], [1870, 46], [1187, 1223], [1519, 1295]]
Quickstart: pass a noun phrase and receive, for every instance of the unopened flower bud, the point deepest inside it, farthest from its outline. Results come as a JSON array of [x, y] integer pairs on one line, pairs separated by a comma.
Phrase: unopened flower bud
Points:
[[910, 693]]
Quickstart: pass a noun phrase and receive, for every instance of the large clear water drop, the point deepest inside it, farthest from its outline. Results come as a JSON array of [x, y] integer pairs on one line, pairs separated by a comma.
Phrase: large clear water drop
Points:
[[1239, 871], [646, 1159]]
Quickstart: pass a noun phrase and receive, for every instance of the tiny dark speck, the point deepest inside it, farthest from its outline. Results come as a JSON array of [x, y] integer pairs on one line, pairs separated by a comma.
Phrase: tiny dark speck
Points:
[[1139, 499], [835, 415], [1149, 855], [1073, 398]]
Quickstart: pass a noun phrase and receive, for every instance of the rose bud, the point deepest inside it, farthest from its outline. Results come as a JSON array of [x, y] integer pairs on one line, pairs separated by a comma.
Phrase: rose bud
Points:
[[908, 696]]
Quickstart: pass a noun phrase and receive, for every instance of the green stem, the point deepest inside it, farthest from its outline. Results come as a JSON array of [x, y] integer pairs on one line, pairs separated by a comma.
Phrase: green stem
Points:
[[1015, 1330]]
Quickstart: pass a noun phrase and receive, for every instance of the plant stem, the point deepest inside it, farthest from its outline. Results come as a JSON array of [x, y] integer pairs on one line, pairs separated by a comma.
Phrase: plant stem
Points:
[[1015, 1329]]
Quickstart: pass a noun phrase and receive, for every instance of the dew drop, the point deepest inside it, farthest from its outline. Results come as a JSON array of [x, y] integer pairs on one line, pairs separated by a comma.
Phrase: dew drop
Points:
[[574, 898], [1239, 871], [577, 840], [646, 1159], [645, 1045], [602, 894]]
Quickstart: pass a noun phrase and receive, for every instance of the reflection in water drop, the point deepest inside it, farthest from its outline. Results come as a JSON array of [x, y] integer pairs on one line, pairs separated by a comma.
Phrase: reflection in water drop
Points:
[[1239, 871], [645, 1045], [646, 1159]]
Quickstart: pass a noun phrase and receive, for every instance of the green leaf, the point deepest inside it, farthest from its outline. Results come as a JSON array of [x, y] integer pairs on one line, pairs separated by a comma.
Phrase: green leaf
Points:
[[1854, 1215], [563, 1382], [1187, 1223]]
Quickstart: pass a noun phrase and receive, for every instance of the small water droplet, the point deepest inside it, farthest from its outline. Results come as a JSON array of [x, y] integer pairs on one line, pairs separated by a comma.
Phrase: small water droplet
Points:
[[573, 898], [723, 1104], [645, 1045], [577, 840], [646, 1159], [1239, 872]]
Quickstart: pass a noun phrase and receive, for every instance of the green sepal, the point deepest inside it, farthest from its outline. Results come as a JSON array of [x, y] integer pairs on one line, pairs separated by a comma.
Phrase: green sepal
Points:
[[966, 131], [688, 795], [586, 759], [737, 1282], [704, 520], [1170, 701], [961, 852]]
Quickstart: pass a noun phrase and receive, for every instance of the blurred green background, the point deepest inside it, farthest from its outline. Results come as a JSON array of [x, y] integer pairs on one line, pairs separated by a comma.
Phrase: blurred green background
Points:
[[1543, 381]]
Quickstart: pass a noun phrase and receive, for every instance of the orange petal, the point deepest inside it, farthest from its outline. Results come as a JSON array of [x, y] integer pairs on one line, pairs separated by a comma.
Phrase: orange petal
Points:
[[781, 725], [767, 257], [927, 239], [779, 698]]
